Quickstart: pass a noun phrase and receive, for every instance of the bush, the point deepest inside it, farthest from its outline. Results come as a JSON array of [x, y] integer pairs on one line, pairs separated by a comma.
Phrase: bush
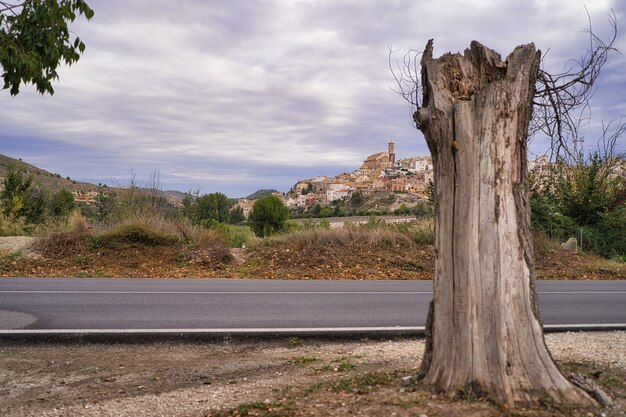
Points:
[[268, 216], [136, 233], [16, 190], [12, 227], [69, 236], [239, 236], [586, 196], [61, 203], [608, 236], [547, 219]]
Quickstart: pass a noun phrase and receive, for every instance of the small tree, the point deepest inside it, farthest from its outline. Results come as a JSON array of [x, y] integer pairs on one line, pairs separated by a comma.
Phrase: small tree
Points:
[[236, 215], [35, 39], [268, 216], [106, 203], [61, 203], [16, 188]]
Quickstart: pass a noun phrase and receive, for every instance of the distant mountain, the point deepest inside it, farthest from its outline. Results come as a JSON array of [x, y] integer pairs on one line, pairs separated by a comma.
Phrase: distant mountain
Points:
[[260, 194], [44, 178]]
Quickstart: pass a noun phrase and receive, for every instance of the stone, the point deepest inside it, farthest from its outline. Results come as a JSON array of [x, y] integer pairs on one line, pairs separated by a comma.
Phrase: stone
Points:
[[571, 245], [406, 381]]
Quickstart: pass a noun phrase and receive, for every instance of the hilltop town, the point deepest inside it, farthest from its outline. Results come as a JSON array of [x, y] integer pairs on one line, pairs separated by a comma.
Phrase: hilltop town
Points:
[[379, 173], [382, 179]]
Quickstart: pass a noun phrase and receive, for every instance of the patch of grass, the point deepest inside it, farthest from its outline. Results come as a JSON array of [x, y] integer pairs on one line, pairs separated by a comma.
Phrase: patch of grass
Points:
[[238, 236], [303, 360], [82, 260], [610, 378], [282, 408], [288, 406], [340, 364], [358, 384], [8, 256], [249, 265], [326, 367], [254, 262], [7, 259], [294, 342], [346, 366], [411, 266], [93, 243], [12, 227]]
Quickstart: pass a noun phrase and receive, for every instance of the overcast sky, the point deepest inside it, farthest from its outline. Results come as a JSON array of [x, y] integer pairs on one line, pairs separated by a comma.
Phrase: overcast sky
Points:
[[233, 96]]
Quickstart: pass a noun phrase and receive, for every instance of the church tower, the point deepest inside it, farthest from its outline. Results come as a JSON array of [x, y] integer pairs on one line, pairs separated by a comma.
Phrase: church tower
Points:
[[391, 152]]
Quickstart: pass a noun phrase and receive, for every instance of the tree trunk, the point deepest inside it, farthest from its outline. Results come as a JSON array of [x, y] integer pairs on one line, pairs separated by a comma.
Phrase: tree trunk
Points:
[[483, 330]]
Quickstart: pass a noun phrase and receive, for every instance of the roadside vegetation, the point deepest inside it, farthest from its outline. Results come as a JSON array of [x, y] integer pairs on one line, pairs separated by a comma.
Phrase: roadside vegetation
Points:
[[586, 200], [137, 232]]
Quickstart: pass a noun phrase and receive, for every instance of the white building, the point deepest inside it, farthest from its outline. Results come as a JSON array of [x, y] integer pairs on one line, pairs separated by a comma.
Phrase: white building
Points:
[[337, 194]]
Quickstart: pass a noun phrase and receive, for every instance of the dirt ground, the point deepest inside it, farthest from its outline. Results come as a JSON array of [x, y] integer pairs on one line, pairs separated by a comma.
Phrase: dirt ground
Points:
[[289, 377]]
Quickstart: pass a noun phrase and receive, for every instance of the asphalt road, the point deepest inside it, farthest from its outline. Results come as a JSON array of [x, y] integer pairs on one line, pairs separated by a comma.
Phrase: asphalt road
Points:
[[194, 304]]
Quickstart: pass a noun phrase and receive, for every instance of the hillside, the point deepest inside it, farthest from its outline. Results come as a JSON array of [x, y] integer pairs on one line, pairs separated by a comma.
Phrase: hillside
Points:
[[260, 194], [43, 178], [57, 182]]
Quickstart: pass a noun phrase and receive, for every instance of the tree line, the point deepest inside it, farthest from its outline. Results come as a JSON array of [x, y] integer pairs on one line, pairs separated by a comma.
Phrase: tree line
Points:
[[26, 207]]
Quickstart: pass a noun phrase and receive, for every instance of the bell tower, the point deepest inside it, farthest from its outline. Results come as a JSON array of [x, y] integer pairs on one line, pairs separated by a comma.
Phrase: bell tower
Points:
[[391, 152]]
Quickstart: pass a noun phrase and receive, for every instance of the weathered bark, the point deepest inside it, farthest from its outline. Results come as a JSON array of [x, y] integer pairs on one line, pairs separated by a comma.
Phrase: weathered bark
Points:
[[484, 330]]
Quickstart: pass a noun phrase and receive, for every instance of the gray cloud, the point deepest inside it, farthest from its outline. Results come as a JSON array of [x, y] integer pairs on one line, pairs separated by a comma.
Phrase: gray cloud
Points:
[[232, 96]]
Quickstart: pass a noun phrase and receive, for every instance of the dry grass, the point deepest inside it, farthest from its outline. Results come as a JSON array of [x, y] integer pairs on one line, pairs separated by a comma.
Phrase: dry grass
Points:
[[345, 237], [156, 247], [124, 235], [69, 236], [373, 251], [150, 247]]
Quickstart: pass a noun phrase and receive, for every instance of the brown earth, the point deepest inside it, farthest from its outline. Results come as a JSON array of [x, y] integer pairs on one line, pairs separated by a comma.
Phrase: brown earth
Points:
[[290, 377], [278, 259]]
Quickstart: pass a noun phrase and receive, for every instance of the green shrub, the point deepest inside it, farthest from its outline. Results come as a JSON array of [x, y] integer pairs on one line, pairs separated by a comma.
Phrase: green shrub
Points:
[[61, 203], [608, 236], [548, 220], [12, 227], [268, 216]]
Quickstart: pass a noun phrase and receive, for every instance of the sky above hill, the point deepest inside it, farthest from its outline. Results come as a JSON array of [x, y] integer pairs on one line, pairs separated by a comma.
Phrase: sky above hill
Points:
[[232, 96]]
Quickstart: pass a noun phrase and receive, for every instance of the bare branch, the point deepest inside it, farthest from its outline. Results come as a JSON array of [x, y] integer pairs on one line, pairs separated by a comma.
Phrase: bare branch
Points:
[[406, 73], [562, 100], [10, 7]]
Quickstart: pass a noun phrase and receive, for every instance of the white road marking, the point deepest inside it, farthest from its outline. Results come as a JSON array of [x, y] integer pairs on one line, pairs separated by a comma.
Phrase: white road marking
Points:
[[234, 330], [581, 292], [269, 292], [210, 292], [279, 330]]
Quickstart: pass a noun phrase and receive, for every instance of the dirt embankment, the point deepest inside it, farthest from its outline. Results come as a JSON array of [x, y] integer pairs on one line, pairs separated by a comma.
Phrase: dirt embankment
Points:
[[314, 255]]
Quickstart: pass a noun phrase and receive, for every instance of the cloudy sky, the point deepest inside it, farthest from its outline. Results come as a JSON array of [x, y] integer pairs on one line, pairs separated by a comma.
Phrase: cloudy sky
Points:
[[233, 96]]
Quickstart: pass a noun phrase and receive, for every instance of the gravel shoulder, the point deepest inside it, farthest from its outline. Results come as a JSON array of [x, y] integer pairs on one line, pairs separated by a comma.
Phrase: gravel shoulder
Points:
[[191, 379]]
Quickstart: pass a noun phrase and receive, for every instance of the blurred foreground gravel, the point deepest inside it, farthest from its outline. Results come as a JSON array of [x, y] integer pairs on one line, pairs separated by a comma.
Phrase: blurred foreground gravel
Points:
[[188, 379]]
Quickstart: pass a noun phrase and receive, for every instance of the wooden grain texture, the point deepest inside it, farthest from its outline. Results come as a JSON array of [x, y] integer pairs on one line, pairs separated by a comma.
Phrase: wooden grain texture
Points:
[[484, 331]]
